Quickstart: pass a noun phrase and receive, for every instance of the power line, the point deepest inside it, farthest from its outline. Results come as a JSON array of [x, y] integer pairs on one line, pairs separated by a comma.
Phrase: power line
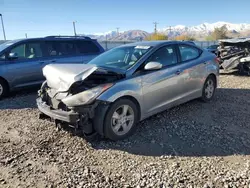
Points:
[[155, 24]]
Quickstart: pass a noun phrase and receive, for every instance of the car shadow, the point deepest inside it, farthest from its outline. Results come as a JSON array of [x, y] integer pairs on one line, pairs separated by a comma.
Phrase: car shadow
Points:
[[218, 128], [234, 72], [25, 98]]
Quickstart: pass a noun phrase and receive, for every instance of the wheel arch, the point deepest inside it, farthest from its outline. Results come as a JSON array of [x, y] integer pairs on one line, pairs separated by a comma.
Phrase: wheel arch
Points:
[[6, 82], [134, 100], [102, 109], [214, 77]]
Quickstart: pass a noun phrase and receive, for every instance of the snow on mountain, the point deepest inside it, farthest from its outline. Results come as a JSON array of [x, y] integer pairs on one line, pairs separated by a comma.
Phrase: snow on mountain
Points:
[[122, 35], [206, 28], [198, 30]]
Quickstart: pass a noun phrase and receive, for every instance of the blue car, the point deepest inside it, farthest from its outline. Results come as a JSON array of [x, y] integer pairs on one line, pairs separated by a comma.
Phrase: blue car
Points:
[[22, 61]]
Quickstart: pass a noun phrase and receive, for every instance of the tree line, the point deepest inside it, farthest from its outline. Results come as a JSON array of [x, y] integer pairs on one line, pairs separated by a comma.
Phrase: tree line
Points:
[[218, 33]]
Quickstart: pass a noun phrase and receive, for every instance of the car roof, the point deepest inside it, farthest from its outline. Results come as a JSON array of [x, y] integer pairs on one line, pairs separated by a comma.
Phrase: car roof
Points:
[[52, 38], [156, 43], [148, 43]]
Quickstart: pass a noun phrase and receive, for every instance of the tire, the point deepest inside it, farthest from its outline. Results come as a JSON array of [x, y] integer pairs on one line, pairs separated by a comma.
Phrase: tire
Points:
[[208, 89], [3, 88], [119, 125]]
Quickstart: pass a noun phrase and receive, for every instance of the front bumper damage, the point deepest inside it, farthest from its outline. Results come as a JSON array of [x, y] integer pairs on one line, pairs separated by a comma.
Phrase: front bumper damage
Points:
[[86, 119], [69, 81], [69, 117]]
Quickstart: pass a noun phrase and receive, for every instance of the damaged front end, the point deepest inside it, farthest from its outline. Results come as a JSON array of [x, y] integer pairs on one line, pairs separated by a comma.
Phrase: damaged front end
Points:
[[69, 95], [235, 53]]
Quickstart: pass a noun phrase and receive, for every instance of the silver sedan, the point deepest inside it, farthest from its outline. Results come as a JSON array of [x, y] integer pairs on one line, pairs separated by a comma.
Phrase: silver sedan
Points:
[[127, 84]]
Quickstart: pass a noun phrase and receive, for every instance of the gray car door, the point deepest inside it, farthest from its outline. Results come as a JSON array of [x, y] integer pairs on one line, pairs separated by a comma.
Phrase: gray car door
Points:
[[193, 68], [25, 69], [162, 88]]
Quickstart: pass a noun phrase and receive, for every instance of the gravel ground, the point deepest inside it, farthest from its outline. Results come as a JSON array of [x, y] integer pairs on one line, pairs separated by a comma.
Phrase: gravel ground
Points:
[[193, 145]]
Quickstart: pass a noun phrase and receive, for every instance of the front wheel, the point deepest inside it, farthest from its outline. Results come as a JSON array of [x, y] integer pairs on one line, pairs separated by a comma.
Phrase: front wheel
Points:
[[3, 88], [208, 89], [120, 119]]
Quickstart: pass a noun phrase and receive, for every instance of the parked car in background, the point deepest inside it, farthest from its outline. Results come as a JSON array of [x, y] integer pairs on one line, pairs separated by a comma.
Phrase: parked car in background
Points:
[[125, 85], [213, 48], [235, 54], [21, 61]]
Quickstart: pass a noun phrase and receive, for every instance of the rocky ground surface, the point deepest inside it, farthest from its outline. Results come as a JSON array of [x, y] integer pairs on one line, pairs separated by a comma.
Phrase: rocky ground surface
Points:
[[193, 145]]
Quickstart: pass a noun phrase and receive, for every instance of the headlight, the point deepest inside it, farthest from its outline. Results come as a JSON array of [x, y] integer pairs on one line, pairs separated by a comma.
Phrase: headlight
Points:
[[85, 97]]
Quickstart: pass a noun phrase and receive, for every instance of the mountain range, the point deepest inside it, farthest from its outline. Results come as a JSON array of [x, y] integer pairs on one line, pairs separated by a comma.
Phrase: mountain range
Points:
[[198, 31]]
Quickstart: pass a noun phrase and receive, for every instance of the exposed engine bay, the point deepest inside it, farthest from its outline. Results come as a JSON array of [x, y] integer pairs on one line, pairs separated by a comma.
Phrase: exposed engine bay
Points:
[[75, 97], [235, 54], [53, 96], [95, 79]]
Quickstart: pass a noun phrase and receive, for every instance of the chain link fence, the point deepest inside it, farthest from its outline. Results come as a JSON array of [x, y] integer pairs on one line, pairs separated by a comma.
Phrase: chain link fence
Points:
[[2, 41]]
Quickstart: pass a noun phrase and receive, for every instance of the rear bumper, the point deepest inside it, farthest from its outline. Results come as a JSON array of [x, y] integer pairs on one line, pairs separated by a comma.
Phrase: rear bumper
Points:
[[69, 117]]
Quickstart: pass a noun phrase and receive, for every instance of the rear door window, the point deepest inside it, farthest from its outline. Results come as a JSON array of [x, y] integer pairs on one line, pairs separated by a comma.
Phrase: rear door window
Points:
[[189, 52], [87, 47], [66, 48], [61, 48], [52, 48]]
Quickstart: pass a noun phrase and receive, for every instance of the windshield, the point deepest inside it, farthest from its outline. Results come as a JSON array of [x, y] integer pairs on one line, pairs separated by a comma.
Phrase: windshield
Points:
[[121, 58], [5, 45]]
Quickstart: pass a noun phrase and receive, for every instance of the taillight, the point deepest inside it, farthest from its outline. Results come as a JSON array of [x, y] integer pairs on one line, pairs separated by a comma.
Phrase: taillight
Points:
[[217, 60]]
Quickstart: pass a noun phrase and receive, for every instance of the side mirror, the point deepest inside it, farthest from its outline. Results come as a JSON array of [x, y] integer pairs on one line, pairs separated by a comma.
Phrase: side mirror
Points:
[[153, 66], [13, 56]]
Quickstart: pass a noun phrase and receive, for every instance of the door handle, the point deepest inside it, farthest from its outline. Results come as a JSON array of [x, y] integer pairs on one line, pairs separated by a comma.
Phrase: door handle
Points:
[[53, 61], [178, 72]]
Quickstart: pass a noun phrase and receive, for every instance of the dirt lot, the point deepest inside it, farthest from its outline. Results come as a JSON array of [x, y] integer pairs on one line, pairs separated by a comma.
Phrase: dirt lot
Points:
[[193, 145]]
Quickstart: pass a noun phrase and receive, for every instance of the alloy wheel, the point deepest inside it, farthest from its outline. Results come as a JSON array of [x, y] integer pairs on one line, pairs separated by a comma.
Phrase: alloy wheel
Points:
[[209, 88], [122, 120], [1, 89]]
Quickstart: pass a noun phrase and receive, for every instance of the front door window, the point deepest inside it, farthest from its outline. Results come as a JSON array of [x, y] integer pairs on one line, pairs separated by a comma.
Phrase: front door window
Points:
[[165, 55], [27, 51]]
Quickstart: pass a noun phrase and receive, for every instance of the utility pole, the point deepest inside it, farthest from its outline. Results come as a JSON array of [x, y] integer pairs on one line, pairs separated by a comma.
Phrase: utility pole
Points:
[[106, 42], [117, 30], [74, 28], [26, 35], [155, 23], [170, 30], [3, 27]]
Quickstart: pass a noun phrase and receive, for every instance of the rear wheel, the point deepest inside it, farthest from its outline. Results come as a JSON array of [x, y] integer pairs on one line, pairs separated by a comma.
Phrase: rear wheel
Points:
[[208, 89], [120, 119], [3, 88]]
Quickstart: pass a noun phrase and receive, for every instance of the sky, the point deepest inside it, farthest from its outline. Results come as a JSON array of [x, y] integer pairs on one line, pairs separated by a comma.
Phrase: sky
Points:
[[55, 17]]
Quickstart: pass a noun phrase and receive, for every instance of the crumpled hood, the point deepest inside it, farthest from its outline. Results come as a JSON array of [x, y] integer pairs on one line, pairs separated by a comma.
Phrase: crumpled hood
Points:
[[61, 76]]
